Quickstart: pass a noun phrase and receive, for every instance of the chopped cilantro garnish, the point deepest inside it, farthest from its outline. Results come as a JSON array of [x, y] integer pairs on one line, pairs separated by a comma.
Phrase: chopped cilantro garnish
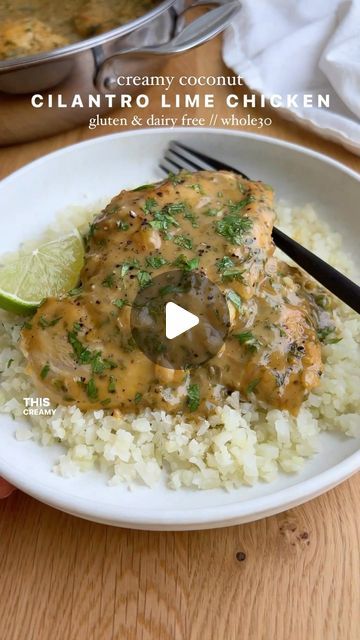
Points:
[[248, 338], [155, 262], [122, 225], [197, 188], [138, 397], [163, 220], [76, 291], [176, 207], [193, 219], [228, 272], [323, 301], [9, 363], [91, 230], [44, 323], [251, 386], [324, 333], [175, 178], [150, 205], [98, 365], [193, 397], [91, 389], [233, 227], [224, 263], [234, 298], [83, 355], [112, 384], [120, 303], [144, 279], [44, 371], [143, 187], [126, 266], [183, 241], [235, 207], [186, 264], [109, 281]]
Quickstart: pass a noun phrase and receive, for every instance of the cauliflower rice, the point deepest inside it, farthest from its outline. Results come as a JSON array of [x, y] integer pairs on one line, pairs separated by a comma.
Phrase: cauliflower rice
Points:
[[241, 443]]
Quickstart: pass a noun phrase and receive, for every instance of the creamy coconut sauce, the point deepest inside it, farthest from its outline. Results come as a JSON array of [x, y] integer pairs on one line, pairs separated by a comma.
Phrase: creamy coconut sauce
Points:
[[80, 348], [33, 26]]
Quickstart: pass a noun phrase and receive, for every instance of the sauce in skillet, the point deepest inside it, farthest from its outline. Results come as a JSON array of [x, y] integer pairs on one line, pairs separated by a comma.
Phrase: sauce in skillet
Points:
[[80, 349], [32, 26]]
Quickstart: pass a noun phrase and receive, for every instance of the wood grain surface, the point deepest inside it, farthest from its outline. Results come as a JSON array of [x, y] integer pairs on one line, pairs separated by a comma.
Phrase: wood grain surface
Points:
[[295, 575]]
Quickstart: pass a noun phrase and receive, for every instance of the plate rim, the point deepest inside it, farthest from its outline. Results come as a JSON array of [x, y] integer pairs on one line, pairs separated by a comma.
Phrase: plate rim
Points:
[[196, 517]]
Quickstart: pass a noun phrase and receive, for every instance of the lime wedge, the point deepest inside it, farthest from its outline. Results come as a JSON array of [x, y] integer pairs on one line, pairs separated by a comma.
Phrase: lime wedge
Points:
[[50, 270]]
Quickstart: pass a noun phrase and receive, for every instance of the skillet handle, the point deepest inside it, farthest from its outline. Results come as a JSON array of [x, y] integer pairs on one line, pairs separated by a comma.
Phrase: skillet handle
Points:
[[192, 35]]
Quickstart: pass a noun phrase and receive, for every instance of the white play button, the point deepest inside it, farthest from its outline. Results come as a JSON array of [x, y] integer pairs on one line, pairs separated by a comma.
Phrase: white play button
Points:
[[178, 320]]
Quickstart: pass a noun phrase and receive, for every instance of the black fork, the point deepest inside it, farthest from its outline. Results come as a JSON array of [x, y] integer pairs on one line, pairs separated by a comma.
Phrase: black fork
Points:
[[179, 157]]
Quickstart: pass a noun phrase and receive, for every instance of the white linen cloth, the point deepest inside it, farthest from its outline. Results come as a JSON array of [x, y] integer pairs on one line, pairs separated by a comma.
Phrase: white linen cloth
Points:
[[302, 46]]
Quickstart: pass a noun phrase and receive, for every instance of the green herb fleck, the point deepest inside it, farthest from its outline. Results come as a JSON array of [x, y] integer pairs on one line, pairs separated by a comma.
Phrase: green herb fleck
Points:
[[120, 303], [193, 397], [248, 338], [323, 301], [109, 281], [235, 207], [112, 384], [143, 187], [183, 241], [150, 205], [9, 363], [122, 225], [91, 390], [234, 298], [155, 262], [225, 266], [186, 264], [163, 220], [138, 397], [126, 266], [224, 263], [211, 212], [252, 385], [233, 227], [197, 188], [324, 333], [44, 371], [44, 323], [176, 179], [76, 291], [144, 279]]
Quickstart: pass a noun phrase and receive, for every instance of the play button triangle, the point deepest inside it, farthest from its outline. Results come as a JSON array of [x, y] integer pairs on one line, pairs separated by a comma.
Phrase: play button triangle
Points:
[[178, 320]]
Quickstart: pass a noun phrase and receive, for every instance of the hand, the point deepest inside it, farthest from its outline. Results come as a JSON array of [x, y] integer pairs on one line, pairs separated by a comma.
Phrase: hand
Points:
[[5, 488]]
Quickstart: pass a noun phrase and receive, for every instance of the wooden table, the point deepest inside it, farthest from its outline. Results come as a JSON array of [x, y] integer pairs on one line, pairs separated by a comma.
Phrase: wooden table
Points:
[[295, 575]]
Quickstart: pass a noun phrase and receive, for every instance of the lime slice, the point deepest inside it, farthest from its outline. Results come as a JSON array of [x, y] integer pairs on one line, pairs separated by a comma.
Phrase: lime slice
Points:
[[50, 270]]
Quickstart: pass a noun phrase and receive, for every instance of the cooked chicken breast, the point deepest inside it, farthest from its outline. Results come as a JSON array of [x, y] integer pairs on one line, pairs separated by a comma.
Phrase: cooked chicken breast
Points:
[[26, 36], [96, 17], [80, 348]]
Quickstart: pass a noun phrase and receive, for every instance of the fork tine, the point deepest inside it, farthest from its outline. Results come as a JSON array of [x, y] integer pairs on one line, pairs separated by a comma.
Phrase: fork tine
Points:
[[167, 166], [182, 162], [191, 157]]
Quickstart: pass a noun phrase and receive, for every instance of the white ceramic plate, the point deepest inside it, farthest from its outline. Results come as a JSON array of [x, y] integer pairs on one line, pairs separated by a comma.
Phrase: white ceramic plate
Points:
[[30, 200]]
